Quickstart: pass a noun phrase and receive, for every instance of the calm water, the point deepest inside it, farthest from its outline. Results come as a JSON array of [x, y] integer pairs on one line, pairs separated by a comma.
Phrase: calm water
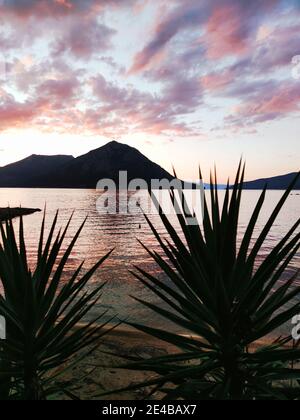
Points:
[[104, 232]]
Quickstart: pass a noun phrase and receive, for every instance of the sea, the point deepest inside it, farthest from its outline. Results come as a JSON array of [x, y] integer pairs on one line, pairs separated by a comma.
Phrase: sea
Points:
[[122, 233]]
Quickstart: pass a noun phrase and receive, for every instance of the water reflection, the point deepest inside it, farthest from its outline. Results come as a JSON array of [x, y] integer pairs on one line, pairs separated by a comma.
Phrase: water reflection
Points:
[[104, 232]]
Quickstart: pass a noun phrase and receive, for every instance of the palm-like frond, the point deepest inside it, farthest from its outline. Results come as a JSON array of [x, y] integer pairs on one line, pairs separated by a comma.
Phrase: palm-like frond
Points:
[[225, 304], [42, 313]]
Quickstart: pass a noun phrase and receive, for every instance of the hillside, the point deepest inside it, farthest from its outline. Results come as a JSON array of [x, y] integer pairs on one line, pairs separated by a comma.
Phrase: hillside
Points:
[[82, 172], [27, 172], [275, 183]]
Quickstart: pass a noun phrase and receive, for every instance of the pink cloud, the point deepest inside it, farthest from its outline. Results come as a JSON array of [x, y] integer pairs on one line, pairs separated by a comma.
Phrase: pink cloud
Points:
[[149, 112], [183, 17], [19, 115], [84, 37], [227, 25], [278, 48], [217, 81], [61, 90], [50, 102], [57, 8], [225, 33], [28, 8], [54, 104], [190, 43], [266, 105], [283, 101]]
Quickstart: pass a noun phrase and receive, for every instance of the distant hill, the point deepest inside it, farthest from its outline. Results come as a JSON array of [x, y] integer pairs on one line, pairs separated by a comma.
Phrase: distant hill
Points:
[[276, 183], [84, 171], [27, 172], [106, 162]]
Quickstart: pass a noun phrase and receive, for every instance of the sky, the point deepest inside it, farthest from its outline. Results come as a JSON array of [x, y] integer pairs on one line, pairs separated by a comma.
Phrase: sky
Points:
[[187, 82]]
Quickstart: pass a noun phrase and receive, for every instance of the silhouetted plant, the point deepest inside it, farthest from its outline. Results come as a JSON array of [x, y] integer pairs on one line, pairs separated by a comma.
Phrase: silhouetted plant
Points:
[[41, 339], [223, 297]]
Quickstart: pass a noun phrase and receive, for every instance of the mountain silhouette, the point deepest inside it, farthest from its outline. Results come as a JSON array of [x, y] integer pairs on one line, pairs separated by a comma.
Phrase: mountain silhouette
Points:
[[275, 183], [84, 171], [106, 162], [26, 172]]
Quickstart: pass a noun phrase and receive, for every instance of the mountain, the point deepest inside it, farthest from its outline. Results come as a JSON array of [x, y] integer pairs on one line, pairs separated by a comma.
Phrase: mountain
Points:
[[26, 172], [276, 183], [84, 171], [104, 163]]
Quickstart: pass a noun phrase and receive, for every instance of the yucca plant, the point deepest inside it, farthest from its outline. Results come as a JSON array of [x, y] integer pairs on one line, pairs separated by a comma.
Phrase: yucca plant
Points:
[[227, 302], [41, 313]]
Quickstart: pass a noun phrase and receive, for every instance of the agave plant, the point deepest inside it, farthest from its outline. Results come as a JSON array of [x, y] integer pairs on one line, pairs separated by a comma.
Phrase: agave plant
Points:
[[41, 313], [226, 301]]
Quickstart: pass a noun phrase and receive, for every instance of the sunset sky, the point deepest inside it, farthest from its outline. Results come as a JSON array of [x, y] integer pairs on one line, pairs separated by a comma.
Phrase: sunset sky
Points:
[[184, 81]]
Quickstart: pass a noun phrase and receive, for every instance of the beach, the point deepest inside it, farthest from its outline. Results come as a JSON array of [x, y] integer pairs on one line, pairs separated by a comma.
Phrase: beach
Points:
[[100, 370], [100, 373]]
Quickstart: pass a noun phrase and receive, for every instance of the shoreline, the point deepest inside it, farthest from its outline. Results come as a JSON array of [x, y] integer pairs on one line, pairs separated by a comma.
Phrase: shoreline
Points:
[[132, 334], [101, 369]]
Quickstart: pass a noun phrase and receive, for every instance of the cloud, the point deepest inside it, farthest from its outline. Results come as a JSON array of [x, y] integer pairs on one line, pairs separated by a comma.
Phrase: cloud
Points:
[[53, 8], [69, 26], [18, 115], [202, 55], [51, 94], [62, 90], [61, 103], [42, 8], [225, 27], [217, 81], [57, 8], [83, 38], [266, 104], [186, 16], [270, 54], [146, 112], [277, 48], [227, 31]]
